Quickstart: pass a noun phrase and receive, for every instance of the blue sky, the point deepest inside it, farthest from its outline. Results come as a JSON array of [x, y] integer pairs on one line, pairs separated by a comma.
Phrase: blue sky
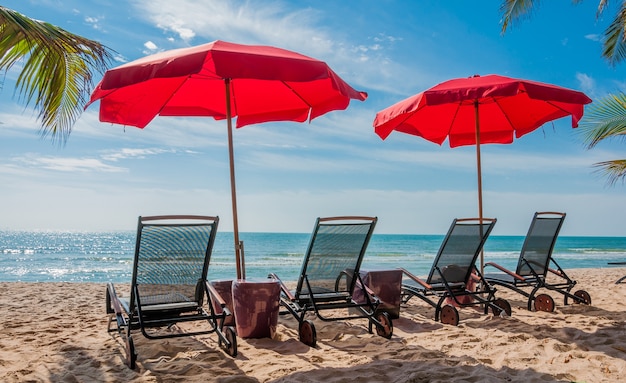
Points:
[[288, 173]]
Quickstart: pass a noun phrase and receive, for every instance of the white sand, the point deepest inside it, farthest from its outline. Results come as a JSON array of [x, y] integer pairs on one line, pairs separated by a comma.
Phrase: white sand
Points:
[[55, 332]]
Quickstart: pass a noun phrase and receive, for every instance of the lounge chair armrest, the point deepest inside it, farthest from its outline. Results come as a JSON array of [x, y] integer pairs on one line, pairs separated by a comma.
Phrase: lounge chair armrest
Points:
[[215, 295], [115, 300], [365, 288], [283, 287], [504, 270], [416, 279], [557, 272], [349, 273], [369, 291]]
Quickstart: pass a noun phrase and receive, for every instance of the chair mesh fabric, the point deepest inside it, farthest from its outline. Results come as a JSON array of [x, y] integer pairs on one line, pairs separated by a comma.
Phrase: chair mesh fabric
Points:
[[336, 248], [538, 246], [458, 252], [171, 261]]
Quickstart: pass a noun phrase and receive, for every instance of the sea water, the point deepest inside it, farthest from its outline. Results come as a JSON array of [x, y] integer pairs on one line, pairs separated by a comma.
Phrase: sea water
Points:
[[108, 256]]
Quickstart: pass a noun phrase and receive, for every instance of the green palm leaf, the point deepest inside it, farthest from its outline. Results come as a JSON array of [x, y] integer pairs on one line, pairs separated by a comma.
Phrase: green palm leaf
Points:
[[58, 68], [515, 10], [614, 170], [605, 119], [614, 46]]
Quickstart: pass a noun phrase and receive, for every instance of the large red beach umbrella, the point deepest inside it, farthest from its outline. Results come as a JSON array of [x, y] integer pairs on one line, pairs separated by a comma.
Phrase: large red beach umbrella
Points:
[[223, 80], [480, 110]]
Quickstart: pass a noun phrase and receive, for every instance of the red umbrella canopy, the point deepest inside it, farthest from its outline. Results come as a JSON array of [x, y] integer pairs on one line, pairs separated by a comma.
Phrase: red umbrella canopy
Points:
[[507, 108], [266, 84], [480, 110], [223, 80]]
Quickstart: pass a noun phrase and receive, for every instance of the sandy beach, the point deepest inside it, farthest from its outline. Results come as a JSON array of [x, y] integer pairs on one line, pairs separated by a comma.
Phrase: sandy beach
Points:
[[56, 332]]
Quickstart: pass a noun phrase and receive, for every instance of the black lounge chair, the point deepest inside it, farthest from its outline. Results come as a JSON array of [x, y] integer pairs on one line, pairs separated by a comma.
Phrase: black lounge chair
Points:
[[622, 279], [330, 275], [533, 270], [453, 276], [169, 283]]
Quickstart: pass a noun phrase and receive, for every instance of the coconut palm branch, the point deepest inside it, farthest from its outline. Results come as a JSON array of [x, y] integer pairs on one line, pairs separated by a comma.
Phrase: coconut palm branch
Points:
[[614, 45], [514, 11], [57, 71], [605, 119], [614, 39]]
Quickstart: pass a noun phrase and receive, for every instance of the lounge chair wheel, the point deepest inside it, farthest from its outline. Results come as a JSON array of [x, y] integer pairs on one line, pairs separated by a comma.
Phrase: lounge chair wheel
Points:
[[584, 296], [307, 333], [231, 338], [449, 315], [131, 355], [544, 302], [386, 328], [501, 305]]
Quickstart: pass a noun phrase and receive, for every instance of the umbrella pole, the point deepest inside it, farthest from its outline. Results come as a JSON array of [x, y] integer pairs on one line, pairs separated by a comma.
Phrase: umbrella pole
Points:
[[480, 181], [233, 192]]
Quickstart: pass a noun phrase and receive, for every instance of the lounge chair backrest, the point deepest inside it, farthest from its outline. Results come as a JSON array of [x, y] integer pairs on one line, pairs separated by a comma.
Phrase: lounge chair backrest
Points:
[[459, 250], [539, 242], [172, 256], [337, 246]]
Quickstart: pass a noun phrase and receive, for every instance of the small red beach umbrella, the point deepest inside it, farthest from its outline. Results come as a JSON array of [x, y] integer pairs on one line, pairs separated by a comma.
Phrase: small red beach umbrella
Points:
[[222, 80], [480, 110]]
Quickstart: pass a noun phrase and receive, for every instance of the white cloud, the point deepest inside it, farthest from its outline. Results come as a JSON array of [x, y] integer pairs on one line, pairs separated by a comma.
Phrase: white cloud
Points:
[[277, 23], [406, 211], [502, 161], [239, 21], [150, 47], [185, 34], [587, 83], [120, 58], [116, 155], [411, 212], [94, 22], [14, 120], [381, 37], [65, 164]]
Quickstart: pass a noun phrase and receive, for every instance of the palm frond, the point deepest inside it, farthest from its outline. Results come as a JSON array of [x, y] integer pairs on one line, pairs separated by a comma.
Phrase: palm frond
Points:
[[601, 6], [514, 10], [58, 68], [613, 170], [614, 44], [604, 119]]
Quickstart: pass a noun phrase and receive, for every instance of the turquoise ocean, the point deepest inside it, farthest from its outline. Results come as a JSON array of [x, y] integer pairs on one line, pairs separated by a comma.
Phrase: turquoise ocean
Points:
[[107, 256]]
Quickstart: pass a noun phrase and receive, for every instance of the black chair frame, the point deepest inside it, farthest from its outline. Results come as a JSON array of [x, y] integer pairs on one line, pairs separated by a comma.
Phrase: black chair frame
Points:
[[464, 285], [310, 298], [532, 276], [148, 312]]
